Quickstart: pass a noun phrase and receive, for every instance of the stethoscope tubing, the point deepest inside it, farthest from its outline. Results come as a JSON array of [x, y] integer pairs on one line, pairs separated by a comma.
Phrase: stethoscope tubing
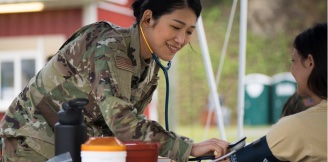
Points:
[[165, 69]]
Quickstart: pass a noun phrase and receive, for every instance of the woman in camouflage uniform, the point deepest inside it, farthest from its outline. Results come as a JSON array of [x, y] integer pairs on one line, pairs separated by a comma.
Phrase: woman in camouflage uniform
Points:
[[112, 67]]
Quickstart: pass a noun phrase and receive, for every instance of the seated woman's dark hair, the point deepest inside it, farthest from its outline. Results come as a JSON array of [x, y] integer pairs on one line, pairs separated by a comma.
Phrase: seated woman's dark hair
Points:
[[314, 41], [162, 7]]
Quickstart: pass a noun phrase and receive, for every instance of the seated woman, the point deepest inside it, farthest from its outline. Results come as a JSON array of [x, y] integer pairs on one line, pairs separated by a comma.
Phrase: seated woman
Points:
[[301, 136]]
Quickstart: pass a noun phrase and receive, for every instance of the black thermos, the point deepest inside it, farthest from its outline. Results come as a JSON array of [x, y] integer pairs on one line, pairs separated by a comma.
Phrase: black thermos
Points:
[[70, 130]]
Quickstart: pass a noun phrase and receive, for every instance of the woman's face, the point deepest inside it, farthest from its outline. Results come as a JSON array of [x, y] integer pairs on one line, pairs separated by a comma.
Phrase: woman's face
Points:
[[170, 32], [301, 72]]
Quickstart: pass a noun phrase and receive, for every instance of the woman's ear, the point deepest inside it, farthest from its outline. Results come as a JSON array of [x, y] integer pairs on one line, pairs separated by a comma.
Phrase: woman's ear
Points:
[[146, 17], [310, 61]]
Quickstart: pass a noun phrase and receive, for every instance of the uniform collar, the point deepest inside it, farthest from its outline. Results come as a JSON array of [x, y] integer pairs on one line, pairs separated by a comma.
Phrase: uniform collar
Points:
[[135, 44]]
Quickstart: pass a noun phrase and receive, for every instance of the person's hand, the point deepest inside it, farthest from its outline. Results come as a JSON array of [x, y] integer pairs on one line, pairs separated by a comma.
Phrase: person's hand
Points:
[[210, 147]]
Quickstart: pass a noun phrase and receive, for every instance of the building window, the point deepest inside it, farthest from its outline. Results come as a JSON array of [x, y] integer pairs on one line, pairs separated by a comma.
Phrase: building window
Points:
[[15, 73], [28, 71], [21, 58], [7, 80]]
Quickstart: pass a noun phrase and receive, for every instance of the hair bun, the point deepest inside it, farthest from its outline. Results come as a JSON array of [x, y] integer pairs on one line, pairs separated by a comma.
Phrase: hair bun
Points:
[[136, 6]]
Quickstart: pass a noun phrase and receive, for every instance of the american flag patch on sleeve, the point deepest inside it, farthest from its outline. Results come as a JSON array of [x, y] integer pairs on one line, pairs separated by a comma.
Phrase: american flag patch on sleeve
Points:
[[123, 63]]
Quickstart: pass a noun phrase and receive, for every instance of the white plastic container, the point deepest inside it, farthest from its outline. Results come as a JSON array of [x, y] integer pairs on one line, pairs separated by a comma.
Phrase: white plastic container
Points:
[[102, 156], [103, 149]]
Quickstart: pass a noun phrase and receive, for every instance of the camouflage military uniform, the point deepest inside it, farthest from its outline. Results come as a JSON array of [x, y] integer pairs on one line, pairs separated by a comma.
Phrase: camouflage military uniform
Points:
[[100, 62]]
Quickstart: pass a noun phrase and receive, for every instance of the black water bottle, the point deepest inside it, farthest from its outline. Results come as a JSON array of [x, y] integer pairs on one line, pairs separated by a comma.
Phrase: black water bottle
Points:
[[70, 130]]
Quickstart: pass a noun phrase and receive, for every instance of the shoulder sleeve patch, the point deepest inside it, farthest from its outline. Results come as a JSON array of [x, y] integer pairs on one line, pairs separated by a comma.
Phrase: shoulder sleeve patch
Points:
[[123, 63]]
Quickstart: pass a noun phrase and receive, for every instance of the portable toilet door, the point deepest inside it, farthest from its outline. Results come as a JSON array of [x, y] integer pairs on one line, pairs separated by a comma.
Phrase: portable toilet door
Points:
[[257, 90], [283, 86]]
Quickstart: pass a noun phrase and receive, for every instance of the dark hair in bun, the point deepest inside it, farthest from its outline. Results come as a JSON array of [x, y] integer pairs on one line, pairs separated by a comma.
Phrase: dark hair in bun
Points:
[[162, 7]]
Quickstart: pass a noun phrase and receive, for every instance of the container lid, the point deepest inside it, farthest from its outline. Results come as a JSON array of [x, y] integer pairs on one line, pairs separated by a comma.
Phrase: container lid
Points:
[[141, 145], [103, 144]]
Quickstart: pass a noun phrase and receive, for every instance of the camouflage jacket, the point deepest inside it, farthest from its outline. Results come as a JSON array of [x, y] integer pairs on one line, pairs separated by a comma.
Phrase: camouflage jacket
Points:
[[100, 62]]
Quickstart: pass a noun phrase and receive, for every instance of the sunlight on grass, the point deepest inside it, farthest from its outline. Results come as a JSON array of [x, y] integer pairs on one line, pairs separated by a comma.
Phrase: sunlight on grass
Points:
[[197, 132]]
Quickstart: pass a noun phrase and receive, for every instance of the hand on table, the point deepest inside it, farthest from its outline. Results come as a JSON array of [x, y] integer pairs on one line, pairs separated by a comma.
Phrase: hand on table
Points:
[[212, 146]]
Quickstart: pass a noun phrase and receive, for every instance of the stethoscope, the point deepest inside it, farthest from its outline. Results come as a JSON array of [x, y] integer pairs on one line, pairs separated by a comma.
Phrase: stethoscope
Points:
[[165, 69]]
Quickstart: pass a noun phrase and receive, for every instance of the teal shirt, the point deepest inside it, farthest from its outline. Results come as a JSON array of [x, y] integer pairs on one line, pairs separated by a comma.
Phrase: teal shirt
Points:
[[100, 62]]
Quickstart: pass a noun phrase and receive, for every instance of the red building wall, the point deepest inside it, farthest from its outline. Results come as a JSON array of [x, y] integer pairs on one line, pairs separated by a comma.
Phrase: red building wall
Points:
[[108, 13], [64, 21], [116, 18]]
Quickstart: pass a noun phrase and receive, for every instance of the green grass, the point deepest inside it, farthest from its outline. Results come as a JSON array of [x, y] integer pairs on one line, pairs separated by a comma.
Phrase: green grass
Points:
[[197, 132]]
